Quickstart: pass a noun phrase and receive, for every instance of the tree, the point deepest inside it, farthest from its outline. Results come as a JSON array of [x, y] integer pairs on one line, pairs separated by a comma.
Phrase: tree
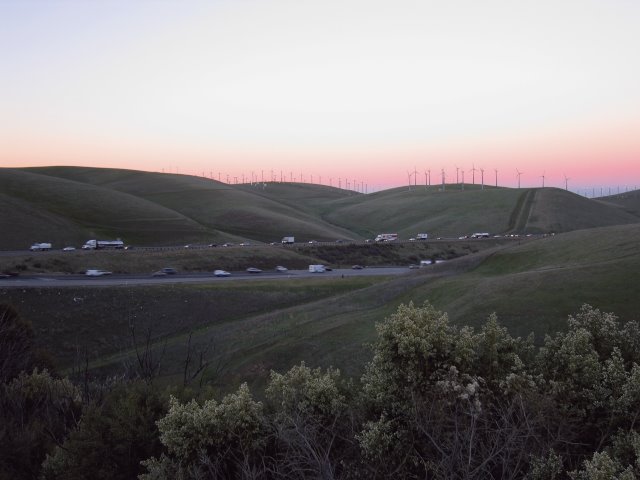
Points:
[[112, 438], [214, 440], [37, 411]]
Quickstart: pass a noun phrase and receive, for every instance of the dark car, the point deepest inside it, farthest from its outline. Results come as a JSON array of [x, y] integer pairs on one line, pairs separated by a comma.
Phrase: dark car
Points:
[[357, 267], [169, 271]]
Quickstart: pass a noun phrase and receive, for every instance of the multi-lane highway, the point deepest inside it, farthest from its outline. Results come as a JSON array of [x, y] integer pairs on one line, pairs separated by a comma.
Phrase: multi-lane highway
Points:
[[48, 280]]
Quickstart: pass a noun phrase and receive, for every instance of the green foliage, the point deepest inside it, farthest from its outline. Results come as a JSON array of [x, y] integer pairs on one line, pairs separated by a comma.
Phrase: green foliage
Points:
[[37, 411], [214, 438], [112, 438], [16, 344], [303, 391]]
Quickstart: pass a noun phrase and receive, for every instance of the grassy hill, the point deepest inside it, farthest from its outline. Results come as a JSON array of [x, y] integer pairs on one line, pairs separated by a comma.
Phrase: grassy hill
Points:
[[532, 287], [236, 210], [456, 212], [628, 201], [38, 207], [68, 205]]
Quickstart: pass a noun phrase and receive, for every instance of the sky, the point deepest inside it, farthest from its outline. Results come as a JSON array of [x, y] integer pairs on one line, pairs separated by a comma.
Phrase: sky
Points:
[[369, 92]]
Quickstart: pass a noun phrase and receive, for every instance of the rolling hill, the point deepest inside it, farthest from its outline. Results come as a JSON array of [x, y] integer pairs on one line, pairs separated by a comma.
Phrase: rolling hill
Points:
[[68, 205], [256, 327]]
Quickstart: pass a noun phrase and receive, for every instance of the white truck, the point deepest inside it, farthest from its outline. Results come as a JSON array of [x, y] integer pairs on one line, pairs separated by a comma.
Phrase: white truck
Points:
[[288, 240], [317, 269], [40, 247], [100, 244], [386, 237], [422, 236]]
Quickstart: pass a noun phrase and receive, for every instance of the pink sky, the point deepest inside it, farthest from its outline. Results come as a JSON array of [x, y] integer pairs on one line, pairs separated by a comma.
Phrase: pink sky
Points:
[[352, 89]]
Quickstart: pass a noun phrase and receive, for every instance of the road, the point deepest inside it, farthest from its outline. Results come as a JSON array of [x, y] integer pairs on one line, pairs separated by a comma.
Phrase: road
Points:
[[46, 280]]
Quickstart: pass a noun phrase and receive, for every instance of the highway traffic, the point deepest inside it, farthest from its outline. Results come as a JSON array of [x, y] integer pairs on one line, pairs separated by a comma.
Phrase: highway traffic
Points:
[[74, 280]]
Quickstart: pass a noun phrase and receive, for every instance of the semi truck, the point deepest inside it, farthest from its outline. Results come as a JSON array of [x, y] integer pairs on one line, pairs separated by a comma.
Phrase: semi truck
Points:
[[288, 240], [317, 268], [422, 236], [103, 244], [40, 247], [386, 237]]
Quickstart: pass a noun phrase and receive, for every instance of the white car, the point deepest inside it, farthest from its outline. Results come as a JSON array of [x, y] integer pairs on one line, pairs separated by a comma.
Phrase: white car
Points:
[[68, 249], [253, 270], [221, 273], [280, 268], [96, 273]]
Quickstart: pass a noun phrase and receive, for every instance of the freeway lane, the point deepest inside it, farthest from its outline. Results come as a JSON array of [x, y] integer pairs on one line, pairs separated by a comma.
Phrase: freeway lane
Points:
[[45, 280]]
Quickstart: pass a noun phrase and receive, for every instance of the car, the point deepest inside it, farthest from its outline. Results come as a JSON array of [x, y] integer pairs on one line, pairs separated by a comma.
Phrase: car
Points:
[[187, 245], [413, 266], [92, 272], [312, 242], [412, 239], [212, 245], [227, 244], [245, 244], [68, 249], [221, 273], [328, 269], [169, 271], [274, 243], [280, 268], [339, 241], [4, 275], [357, 267], [253, 270], [159, 273], [368, 240]]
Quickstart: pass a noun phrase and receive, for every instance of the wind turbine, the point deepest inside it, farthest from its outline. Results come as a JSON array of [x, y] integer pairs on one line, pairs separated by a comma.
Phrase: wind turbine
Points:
[[566, 182], [462, 184], [518, 175], [425, 179], [542, 176], [429, 176], [457, 169], [415, 176], [473, 174], [482, 176], [409, 175], [496, 170], [443, 179]]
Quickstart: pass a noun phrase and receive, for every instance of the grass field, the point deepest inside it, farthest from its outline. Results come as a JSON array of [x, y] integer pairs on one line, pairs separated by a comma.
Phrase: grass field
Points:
[[253, 328], [69, 205]]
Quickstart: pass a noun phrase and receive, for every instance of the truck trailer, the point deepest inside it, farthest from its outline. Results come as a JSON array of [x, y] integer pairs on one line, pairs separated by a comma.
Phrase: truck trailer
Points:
[[288, 240], [103, 244], [317, 268], [40, 247]]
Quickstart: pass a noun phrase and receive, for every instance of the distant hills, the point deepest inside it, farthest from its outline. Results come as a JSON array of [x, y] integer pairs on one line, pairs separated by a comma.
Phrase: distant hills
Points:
[[69, 205]]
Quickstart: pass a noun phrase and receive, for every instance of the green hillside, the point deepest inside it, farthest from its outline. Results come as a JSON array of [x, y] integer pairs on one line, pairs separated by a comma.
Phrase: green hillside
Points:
[[68, 205], [628, 201], [37, 207], [532, 287], [236, 210]]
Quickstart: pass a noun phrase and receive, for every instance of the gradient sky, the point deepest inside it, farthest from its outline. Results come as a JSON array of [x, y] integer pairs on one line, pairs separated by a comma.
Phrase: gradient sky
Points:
[[363, 90]]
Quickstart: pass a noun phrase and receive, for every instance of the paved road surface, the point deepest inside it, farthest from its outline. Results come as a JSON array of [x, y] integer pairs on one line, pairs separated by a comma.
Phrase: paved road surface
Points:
[[45, 280]]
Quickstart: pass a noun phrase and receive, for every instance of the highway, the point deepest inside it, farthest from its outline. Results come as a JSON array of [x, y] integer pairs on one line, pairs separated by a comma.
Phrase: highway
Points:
[[48, 280]]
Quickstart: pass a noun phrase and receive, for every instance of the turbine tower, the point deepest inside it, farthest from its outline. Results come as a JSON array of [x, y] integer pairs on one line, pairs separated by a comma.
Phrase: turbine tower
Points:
[[496, 170], [473, 174], [409, 175], [518, 175], [566, 182], [443, 179], [482, 177], [457, 169], [542, 176]]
